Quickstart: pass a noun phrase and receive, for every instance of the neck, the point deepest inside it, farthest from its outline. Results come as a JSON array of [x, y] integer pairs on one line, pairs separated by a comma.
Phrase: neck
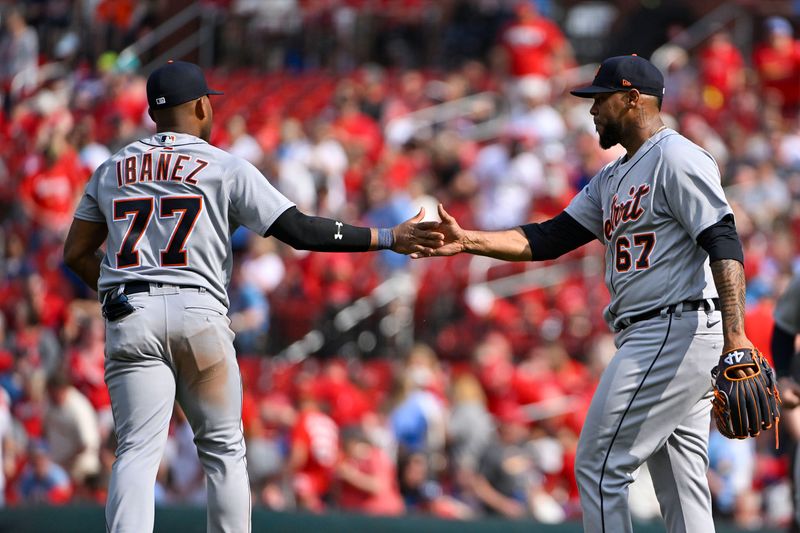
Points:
[[174, 128], [177, 124], [638, 134]]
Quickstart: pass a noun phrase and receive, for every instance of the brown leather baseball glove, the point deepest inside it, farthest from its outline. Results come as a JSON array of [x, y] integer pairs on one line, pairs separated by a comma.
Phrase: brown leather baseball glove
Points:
[[746, 397]]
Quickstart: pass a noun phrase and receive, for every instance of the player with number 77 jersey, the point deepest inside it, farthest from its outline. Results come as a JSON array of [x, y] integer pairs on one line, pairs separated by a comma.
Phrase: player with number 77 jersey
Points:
[[167, 205], [171, 202]]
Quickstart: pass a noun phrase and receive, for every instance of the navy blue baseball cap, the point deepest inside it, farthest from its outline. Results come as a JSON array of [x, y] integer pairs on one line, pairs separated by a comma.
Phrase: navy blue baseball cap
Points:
[[175, 83], [622, 73]]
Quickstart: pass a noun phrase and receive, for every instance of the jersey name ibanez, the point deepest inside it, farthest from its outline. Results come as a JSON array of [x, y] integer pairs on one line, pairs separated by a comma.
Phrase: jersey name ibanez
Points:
[[648, 211], [170, 203]]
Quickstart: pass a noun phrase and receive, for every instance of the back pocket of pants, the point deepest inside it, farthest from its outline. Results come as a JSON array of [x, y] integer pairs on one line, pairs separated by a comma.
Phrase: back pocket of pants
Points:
[[203, 310]]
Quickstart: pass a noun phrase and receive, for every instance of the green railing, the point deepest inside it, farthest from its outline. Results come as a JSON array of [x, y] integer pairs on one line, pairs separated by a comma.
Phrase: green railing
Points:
[[192, 520]]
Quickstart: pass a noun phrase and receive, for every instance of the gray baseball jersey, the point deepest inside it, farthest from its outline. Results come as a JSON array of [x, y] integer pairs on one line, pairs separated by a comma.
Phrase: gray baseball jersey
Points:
[[163, 195], [648, 211], [170, 203], [787, 310], [652, 403]]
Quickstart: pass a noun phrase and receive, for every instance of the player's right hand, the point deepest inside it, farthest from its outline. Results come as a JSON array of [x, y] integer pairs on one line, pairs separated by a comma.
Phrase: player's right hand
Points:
[[411, 238], [790, 392], [454, 236]]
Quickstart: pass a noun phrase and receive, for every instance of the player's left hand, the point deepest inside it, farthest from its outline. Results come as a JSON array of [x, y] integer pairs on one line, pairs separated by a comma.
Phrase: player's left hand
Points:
[[410, 238], [746, 397]]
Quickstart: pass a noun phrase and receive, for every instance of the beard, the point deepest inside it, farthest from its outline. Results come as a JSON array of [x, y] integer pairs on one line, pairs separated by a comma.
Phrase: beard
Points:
[[612, 134]]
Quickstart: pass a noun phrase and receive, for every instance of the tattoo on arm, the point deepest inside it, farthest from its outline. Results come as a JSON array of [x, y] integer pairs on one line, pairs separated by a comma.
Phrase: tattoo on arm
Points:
[[730, 282]]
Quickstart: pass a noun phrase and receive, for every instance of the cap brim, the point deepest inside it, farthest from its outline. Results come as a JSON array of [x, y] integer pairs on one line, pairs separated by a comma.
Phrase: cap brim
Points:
[[212, 91], [590, 90]]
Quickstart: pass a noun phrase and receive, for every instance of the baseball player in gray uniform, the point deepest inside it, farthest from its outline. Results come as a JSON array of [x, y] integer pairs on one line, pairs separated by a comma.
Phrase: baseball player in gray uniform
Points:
[[785, 334], [674, 271], [166, 206]]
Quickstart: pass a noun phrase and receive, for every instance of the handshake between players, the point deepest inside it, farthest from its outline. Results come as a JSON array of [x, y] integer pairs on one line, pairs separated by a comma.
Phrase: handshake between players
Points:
[[508, 245]]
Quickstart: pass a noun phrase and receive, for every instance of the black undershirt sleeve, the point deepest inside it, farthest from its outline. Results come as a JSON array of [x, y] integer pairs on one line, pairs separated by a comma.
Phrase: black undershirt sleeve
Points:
[[782, 348], [555, 237], [721, 241], [318, 234]]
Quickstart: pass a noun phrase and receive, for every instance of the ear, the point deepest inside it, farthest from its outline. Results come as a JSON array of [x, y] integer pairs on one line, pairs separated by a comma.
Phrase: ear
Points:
[[199, 108], [633, 98]]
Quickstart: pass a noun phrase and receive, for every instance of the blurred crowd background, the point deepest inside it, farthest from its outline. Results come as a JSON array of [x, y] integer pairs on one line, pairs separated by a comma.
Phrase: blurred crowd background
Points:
[[454, 387]]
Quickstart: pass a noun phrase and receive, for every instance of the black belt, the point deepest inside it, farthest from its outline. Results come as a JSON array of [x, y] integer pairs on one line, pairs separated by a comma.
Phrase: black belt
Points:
[[688, 305], [144, 286]]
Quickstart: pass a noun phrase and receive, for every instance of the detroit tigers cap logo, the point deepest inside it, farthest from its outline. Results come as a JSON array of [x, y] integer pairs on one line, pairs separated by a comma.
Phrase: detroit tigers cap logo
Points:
[[175, 83]]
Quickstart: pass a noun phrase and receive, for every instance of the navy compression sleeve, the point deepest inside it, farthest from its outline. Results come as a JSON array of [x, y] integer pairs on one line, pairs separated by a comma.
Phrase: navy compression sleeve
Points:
[[555, 237], [721, 241], [318, 234]]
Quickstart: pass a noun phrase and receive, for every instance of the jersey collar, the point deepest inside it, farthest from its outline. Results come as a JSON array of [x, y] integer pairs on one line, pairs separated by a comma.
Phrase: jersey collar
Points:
[[170, 138]]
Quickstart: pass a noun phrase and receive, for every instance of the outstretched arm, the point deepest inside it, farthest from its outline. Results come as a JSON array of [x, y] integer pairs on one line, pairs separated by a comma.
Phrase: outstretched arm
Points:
[[509, 245], [530, 242], [305, 232]]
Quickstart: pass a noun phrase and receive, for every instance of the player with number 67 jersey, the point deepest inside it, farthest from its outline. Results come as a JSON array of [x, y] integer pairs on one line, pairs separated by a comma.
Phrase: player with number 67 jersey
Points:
[[674, 269]]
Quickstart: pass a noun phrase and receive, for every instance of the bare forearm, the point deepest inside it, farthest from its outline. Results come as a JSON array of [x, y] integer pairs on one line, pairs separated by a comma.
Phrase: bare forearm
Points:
[[82, 249], [730, 282], [87, 268], [508, 245]]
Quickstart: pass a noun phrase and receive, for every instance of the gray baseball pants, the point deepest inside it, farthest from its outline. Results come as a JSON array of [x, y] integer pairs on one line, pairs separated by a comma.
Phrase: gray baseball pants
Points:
[[652, 404], [176, 345]]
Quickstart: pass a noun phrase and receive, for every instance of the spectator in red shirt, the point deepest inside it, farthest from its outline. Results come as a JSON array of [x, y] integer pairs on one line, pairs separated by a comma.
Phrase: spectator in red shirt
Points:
[[348, 403], [777, 62], [367, 477], [492, 362], [49, 193], [357, 131], [313, 456], [49, 306], [721, 70], [534, 45]]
